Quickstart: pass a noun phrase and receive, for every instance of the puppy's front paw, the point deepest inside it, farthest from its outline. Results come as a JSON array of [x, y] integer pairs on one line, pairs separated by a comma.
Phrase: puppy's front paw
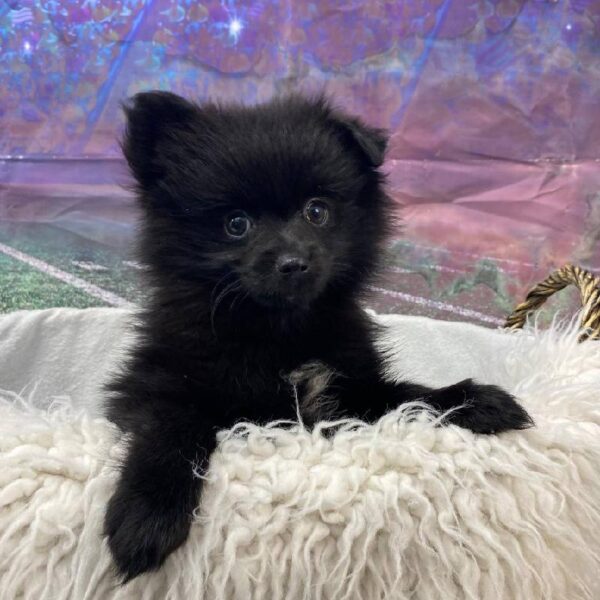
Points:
[[487, 408], [140, 534]]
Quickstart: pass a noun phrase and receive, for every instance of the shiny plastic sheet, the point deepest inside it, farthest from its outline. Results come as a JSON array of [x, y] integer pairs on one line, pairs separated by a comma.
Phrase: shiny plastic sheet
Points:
[[492, 106]]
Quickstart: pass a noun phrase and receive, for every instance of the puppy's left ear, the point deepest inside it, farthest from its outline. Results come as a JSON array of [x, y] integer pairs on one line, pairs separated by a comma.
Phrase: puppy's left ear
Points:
[[370, 141], [153, 120]]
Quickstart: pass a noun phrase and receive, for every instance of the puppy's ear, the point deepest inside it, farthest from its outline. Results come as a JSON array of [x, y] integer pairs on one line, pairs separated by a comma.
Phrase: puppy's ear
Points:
[[371, 142], [151, 119]]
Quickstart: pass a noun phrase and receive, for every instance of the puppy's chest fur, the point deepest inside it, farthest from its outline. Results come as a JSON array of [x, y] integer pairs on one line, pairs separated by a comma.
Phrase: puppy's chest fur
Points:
[[312, 386]]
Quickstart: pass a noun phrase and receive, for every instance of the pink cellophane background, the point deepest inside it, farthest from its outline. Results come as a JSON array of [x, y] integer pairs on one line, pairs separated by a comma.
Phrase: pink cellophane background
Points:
[[493, 107]]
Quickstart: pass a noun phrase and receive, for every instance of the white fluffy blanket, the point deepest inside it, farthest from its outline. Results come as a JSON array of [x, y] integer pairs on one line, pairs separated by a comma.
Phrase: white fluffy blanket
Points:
[[396, 510]]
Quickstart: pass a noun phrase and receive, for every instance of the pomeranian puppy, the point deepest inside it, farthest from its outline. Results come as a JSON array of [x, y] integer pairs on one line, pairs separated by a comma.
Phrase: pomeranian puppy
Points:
[[261, 228]]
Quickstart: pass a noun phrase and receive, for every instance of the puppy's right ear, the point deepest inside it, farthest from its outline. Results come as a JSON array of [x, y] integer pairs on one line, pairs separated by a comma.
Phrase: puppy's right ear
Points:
[[153, 119], [371, 142]]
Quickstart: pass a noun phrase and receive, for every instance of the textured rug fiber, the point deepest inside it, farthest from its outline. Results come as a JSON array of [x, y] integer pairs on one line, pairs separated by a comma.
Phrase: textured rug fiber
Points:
[[401, 509]]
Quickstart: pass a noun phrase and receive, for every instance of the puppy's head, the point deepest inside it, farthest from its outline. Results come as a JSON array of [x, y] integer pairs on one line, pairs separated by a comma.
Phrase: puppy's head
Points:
[[279, 203]]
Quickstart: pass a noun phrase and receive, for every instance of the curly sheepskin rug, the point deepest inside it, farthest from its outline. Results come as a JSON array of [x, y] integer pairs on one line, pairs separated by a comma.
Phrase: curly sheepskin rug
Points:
[[397, 510]]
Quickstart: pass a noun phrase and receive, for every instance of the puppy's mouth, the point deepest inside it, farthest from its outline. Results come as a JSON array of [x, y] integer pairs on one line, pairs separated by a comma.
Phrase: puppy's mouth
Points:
[[285, 300], [287, 297], [288, 294]]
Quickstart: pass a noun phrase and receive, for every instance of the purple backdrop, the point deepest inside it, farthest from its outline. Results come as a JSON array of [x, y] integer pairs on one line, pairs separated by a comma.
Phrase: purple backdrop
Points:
[[493, 109]]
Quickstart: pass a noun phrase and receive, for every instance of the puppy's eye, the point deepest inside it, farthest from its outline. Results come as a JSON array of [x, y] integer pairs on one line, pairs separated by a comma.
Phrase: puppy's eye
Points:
[[237, 224], [316, 212]]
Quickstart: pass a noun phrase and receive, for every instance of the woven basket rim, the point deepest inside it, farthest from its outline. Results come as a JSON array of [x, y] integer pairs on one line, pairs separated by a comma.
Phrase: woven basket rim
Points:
[[586, 282]]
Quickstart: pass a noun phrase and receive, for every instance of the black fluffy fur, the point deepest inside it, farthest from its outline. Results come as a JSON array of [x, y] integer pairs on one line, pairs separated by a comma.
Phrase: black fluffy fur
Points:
[[223, 328]]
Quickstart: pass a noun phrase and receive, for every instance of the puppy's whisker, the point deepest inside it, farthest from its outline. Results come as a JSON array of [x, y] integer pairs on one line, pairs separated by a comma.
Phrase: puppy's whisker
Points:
[[238, 298], [226, 290], [231, 287], [219, 282]]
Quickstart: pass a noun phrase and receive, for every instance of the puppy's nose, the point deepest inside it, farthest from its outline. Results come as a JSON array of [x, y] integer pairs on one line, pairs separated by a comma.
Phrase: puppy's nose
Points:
[[291, 265]]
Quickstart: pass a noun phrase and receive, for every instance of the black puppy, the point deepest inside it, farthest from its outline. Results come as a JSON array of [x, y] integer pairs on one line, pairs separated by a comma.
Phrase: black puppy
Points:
[[261, 228]]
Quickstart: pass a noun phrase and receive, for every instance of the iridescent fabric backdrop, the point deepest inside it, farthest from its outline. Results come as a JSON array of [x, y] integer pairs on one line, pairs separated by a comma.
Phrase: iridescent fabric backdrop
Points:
[[492, 105]]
